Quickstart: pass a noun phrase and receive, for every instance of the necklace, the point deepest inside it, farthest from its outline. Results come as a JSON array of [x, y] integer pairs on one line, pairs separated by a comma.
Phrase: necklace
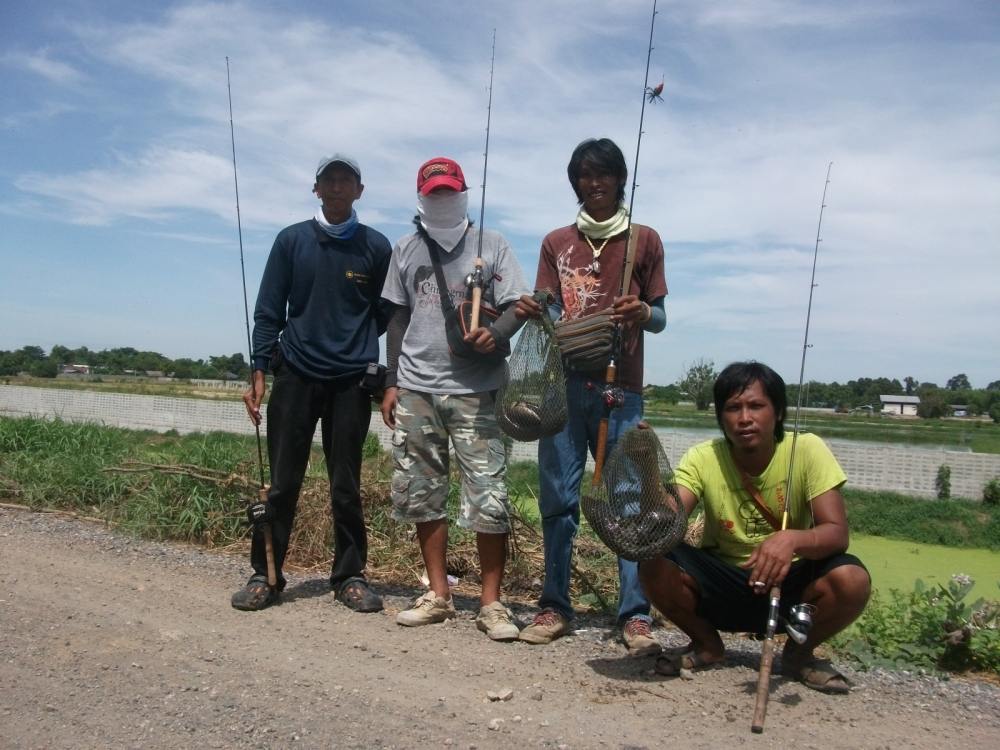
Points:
[[595, 266]]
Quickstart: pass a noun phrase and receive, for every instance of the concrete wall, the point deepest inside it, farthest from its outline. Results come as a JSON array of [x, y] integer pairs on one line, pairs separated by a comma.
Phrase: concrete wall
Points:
[[874, 466]]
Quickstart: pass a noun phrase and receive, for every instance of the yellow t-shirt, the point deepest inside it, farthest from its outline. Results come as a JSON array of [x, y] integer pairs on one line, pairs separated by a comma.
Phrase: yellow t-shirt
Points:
[[733, 525]]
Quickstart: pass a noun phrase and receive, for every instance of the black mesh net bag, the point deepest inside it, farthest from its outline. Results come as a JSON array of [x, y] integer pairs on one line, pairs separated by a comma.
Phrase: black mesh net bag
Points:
[[531, 402], [635, 508]]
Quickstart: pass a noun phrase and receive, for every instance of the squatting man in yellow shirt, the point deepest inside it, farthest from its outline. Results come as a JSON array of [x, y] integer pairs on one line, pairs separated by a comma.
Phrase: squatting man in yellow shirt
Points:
[[740, 480]]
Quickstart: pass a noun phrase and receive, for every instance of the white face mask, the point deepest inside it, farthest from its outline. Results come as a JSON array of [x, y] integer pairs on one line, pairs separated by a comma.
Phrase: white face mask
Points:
[[444, 215]]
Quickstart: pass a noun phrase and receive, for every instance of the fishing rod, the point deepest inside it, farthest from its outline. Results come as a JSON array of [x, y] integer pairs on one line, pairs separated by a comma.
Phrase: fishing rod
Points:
[[801, 613], [614, 396], [476, 280], [259, 513]]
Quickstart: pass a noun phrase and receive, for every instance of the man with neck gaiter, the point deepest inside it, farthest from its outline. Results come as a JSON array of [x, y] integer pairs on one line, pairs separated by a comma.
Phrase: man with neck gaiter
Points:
[[432, 394], [582, 266], [316, 328]]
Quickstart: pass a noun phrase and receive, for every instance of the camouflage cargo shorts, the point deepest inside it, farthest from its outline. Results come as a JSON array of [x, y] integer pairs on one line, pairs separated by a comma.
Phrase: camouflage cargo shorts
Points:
[[420, 455]]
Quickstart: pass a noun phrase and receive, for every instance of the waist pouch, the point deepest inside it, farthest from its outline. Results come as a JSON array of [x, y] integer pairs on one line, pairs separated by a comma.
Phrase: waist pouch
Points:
[[586, 342]]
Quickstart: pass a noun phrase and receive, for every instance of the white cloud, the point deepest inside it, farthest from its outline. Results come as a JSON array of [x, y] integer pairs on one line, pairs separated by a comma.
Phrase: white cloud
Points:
[[731, 168], [42, 64]]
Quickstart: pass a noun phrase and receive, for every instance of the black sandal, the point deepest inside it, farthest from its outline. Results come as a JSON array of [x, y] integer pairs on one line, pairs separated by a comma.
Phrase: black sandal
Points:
[[255, 596], [357, 594]]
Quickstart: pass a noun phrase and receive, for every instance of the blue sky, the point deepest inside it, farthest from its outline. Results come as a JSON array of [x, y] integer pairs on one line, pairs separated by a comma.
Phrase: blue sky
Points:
[[116, 187]]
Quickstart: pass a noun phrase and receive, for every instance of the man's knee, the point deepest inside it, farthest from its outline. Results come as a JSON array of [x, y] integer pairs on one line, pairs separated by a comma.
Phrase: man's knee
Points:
[[847, 583], [660, 580]]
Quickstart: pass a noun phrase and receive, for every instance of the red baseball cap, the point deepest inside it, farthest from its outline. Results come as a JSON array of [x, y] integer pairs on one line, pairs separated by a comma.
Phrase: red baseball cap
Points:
[[440, 172]]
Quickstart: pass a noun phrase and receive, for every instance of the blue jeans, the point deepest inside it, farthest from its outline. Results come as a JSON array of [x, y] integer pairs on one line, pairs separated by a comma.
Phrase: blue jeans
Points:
[[561, 463]]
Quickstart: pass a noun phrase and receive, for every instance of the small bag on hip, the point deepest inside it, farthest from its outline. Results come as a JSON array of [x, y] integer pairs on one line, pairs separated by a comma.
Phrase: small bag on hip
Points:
[[458, 323], [586, 342]]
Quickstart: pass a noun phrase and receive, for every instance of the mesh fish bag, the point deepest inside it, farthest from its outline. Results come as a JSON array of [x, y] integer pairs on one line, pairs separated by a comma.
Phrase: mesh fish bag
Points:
[[532, 400], [635, 509]]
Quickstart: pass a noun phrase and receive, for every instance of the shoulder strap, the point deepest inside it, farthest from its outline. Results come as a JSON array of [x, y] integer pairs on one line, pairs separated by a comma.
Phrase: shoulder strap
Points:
[[754, 493], [633, 241], [445, 296]]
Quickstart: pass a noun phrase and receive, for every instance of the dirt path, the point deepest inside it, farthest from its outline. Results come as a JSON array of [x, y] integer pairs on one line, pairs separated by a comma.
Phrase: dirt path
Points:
[[113, 642]]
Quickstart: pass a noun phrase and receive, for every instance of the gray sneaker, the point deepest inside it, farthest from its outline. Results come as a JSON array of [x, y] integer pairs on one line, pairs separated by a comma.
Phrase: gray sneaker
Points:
[[497, 622], [545, 628], [428, 608]]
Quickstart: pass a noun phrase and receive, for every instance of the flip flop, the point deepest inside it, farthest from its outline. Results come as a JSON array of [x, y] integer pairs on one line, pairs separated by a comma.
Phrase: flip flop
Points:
[[821, 675], [672, 664]]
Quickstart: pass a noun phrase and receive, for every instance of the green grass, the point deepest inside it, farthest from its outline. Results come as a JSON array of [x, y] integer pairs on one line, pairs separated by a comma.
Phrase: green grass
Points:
[[955, 523], [897, 564]]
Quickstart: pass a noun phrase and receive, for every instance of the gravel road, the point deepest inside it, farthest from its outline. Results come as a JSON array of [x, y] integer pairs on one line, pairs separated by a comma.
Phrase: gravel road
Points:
[[109, 641]]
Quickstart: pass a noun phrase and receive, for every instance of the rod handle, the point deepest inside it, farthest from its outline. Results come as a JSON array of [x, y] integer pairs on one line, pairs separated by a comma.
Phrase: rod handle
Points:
[[764, 676], [602, 449], [272, 575], [477, 295]]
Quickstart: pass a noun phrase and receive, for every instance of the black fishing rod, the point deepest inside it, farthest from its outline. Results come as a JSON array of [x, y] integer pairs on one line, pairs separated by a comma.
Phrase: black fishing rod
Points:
[[258, 512], [614, 396], [804, 616], [476, 280]]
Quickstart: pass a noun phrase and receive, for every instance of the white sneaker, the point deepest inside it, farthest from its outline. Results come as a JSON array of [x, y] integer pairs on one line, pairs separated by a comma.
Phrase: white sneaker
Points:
[[427, 609], [497, 622]]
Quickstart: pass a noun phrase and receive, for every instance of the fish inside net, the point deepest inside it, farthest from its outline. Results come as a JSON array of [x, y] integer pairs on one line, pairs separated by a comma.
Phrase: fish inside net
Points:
[[531, 402], [635, 508]]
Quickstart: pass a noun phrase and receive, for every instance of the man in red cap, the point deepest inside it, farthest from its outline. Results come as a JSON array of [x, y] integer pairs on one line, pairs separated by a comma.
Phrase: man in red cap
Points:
[[433, 394]]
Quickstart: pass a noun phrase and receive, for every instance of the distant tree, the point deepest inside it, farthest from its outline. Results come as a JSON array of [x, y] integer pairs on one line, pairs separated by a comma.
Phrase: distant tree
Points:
[[959, 382], [185, 368], [234, 364], [995, 414], [698, 381], [32, 353], [61, 355], [994, 386], [933, 404], [43, 369], [911, 385]]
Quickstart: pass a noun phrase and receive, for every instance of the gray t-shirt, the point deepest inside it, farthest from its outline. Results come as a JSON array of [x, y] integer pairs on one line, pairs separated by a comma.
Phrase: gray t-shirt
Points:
[[426, 363]]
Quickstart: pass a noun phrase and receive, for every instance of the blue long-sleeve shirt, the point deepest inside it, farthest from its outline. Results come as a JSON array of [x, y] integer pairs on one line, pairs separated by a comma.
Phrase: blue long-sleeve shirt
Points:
[[319, 301]]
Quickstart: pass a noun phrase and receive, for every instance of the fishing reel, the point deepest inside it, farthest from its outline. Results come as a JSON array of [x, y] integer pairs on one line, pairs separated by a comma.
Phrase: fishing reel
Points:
[[799, 622], [613, 396], [474, 279], [260, 513]]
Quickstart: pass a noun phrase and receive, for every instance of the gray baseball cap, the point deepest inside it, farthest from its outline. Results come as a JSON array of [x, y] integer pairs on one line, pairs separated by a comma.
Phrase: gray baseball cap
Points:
[[338, 158]]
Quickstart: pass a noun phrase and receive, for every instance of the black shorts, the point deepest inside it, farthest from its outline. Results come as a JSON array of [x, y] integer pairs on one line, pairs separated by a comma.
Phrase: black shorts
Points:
[[726, 598]]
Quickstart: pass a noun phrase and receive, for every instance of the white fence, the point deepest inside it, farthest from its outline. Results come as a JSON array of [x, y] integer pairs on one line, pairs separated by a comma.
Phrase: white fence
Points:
[[873, 466]]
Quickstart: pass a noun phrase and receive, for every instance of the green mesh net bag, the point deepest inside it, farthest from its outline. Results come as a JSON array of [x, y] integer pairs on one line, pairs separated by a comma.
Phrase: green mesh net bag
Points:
[[635, 508], [531, 402]]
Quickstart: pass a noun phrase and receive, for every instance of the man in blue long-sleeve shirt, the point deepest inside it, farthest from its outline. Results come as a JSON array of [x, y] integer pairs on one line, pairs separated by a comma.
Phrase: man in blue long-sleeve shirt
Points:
[[316, 327]]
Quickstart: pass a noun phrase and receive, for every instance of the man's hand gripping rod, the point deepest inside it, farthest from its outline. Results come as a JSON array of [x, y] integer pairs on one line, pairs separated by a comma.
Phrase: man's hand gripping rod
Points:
[[767, 650]]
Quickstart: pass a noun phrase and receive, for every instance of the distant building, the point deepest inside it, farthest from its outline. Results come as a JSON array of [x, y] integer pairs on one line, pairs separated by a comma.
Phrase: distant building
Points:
[[902, 406], [75, 369]]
